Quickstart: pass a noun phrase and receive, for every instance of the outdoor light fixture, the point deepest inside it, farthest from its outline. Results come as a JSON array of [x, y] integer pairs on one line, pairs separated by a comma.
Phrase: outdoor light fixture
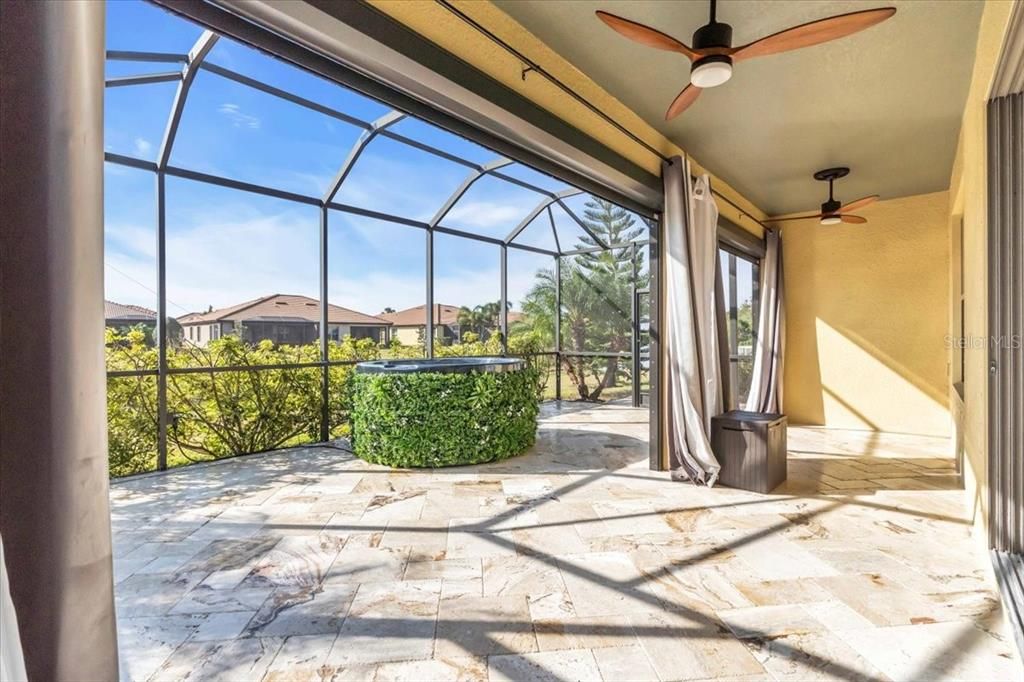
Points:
[[711, 72]]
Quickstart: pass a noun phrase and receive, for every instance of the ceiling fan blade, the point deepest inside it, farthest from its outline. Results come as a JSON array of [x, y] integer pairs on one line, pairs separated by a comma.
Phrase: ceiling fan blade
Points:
[[683, 100], [796, 217], [855, 219], [859, 203], [814, 33], [645, 35]]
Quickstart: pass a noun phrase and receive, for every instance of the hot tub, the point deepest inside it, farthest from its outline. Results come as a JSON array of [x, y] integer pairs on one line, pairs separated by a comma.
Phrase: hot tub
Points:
[[443, 411]]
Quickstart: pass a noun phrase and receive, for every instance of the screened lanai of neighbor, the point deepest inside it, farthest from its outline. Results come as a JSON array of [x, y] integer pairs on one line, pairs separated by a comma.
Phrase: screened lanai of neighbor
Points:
[[512, 340]]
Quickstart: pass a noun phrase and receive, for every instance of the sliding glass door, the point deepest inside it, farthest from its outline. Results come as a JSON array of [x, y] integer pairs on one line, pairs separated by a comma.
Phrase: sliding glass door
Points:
[[740, 283]]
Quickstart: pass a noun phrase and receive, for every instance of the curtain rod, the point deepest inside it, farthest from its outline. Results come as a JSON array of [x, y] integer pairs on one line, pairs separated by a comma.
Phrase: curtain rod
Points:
[[743, 211], [537, 68]]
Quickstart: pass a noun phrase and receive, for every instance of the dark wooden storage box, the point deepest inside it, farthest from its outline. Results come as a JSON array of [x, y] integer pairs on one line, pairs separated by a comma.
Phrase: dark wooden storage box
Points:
[[751, 447]]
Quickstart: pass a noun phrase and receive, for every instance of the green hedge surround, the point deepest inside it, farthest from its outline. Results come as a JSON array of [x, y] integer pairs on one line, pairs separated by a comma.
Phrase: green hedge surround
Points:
[[436, 420]]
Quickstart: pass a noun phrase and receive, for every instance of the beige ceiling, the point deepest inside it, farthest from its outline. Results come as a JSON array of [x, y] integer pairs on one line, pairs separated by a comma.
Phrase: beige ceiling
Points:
[[886, 102]]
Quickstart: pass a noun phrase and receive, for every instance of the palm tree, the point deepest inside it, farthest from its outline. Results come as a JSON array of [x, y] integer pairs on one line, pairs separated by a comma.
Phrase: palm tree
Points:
[[482, 319], [471, 320], [596, 299]]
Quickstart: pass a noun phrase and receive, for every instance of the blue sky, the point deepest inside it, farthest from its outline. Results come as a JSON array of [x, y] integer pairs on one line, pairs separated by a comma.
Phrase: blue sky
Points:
[[226, 246]]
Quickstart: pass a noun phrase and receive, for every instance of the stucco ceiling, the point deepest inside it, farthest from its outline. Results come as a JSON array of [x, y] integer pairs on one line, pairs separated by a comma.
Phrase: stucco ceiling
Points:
[[887, 102]]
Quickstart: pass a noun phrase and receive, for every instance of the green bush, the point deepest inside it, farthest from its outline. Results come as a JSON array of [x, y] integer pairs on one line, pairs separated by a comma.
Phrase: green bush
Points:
[[436, 420], [219, 414]]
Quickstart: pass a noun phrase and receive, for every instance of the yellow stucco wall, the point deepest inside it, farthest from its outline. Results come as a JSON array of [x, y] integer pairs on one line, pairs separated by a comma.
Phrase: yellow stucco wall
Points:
[[968, 197], [434, 22], [867, 313]]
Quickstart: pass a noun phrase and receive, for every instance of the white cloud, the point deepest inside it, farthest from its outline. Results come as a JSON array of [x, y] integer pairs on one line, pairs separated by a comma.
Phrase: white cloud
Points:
[[413, 189], [235, 253], [238, 118], [142, 147], [485, 215]]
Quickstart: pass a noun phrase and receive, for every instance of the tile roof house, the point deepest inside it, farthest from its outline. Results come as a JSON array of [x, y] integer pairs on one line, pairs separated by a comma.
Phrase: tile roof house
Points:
[[122, 316], [408, 325], [283, 319]]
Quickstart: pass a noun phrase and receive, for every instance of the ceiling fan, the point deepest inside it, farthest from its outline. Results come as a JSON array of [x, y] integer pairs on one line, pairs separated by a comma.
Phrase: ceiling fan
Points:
[[713, 55], [833, 212]]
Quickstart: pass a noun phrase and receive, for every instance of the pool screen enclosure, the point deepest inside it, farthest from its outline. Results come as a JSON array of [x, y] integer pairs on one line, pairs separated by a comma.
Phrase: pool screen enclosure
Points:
[[591, 253]]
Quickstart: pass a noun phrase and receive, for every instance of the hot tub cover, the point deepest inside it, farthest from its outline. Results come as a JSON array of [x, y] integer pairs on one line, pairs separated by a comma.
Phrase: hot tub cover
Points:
[[441, 365]]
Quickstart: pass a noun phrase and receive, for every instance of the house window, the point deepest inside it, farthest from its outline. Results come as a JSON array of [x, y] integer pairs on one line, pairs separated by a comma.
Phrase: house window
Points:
[[741, 289]]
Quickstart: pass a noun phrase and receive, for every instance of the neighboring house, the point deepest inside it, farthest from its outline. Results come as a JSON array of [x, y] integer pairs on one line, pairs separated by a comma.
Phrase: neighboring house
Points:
[[283, 319], [409, 325], [123, 317]]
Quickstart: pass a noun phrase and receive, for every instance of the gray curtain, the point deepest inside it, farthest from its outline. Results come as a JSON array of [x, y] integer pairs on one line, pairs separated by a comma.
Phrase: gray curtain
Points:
[[693, 364], [766, 382], [12, 663]]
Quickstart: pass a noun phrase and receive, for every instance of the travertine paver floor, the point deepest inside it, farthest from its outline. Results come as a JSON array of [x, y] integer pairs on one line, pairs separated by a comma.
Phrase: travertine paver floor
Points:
[[573, 562]]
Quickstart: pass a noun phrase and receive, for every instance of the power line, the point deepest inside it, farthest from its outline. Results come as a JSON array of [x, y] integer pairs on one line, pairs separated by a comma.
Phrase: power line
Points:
[[152, 291]]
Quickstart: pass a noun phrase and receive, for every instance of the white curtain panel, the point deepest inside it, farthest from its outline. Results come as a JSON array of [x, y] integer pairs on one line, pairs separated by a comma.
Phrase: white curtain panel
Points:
[[766, 381], [694, 373], [12, 661]]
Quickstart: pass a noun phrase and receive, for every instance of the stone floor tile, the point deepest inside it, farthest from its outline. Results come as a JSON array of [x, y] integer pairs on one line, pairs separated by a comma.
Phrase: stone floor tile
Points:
[[550, 606], [145, 643], [144, 595], [443, 669], [481, 626], [606, 584], [301, 659], [426, 540], [355, 565], [583, 632], [953, 651], [777, 592], [363, 572], [883, 601], [461, 587], [225, 580], [449, 569], [520, 576], [221, 626], [203, 599], [296, 561], [625, 663], [469, 538], [812, 656], [236, 659], [547, 666], [292, 611], [409, 598], [368, 639], [764, 622]]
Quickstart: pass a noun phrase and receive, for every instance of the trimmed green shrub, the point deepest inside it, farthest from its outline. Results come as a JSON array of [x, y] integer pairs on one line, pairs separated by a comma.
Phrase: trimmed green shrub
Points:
[[437, 420]]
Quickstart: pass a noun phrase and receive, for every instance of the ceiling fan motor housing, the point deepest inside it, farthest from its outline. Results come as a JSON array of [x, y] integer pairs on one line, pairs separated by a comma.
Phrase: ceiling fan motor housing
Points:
[[830, 206], [714, 37], [715, 34]]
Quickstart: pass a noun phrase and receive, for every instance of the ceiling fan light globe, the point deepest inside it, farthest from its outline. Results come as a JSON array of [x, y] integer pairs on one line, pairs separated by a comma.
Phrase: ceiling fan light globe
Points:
[[711, 72], [831, 220]]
